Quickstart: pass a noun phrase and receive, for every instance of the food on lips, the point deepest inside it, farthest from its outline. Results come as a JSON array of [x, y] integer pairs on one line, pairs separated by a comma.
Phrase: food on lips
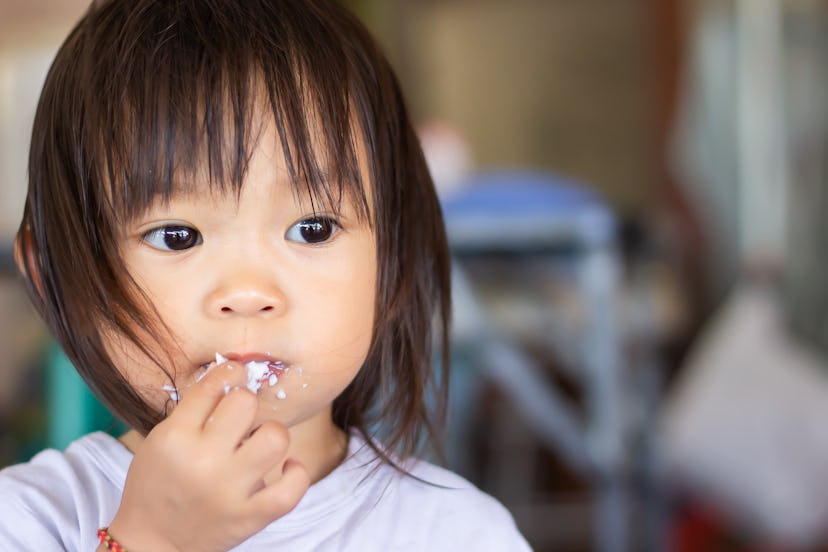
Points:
[[259, 372]]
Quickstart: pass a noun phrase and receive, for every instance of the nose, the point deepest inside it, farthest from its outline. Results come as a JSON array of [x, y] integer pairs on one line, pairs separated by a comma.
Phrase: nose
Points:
[[245, 297]]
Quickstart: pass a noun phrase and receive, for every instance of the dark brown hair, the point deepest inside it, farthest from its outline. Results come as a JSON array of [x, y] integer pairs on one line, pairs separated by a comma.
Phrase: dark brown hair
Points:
[[143, 91]]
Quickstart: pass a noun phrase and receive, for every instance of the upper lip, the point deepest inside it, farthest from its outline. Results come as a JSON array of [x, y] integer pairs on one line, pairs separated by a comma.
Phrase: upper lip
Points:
[[250, 357]]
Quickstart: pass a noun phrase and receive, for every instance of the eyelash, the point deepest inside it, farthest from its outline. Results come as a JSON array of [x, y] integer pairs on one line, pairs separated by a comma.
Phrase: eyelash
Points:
[[298, 233]]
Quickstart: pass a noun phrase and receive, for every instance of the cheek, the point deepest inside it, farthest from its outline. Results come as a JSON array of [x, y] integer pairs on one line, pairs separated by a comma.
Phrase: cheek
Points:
[[343, 335], [344, 312], [138, 369], [357, 313], [359, 301], [171, 301]]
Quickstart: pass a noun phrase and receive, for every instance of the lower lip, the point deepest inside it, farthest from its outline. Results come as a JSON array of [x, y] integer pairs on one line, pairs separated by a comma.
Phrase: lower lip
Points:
[[259, 373]]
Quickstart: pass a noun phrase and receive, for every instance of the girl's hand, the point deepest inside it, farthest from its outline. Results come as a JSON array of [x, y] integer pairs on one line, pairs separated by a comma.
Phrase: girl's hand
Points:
[[197, 484]]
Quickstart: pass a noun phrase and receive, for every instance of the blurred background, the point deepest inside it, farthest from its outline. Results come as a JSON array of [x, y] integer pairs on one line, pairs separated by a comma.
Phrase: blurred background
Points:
[[636, 195]]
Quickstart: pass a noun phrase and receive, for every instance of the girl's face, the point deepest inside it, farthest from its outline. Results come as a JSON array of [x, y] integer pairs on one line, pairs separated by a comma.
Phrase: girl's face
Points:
[[258, 277]]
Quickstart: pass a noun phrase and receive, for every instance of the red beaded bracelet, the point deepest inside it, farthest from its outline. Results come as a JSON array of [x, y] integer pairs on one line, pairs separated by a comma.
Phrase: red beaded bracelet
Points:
[[106, 539]]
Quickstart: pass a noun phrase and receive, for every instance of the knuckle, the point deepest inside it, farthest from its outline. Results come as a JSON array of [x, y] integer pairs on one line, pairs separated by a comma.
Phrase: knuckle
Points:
[[242, 398], [273, 436], [199, 469], [300, 475], [282, 501], [239, 397]]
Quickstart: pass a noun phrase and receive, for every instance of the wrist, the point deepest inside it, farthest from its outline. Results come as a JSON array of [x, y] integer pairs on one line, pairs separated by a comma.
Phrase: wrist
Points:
[[108, 542], [135, 538]]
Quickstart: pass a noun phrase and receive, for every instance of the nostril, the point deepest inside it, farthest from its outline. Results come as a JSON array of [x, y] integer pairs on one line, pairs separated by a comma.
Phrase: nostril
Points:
[[267, 308], [245, 303]]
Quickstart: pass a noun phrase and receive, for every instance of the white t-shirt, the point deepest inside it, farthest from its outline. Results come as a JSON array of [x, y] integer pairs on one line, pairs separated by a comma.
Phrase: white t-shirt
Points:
[[58, 500]]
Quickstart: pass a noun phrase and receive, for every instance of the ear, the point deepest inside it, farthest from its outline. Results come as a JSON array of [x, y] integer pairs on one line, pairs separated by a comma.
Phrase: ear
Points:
[[24, 258]]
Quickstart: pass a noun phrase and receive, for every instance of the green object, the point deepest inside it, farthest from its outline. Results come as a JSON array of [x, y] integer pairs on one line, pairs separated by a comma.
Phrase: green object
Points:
[[73, 410]]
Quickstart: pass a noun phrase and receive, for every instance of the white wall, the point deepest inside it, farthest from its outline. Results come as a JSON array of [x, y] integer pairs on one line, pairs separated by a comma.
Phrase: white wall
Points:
[[22, 71], [30, 33]]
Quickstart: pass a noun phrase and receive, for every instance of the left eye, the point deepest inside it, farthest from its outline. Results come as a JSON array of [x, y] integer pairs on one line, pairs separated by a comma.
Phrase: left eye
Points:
[[312, 230], [173, 238]]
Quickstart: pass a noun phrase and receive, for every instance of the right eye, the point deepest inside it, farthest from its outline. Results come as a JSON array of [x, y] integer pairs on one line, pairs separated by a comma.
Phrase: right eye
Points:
[[172, 238]]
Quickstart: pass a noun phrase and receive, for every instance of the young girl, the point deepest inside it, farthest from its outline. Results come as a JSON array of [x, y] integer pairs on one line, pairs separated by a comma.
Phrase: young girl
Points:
[[231, 231]]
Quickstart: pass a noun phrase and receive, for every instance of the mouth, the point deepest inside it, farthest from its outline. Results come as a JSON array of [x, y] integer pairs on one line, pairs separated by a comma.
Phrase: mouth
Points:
[[261, 368]]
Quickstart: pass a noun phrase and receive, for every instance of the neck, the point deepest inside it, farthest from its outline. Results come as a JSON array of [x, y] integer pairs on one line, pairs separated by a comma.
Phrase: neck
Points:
[[317, 443]]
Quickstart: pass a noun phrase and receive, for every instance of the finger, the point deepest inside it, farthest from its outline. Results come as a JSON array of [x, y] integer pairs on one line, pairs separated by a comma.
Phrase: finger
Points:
[[197, 405], [263, 452], [283, 495], [232, 419]]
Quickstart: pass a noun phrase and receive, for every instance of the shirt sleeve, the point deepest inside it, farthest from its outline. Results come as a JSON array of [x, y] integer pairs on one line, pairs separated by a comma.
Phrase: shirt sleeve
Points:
[[38, 509], [455, 515], [490, 528], [22, 529]]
